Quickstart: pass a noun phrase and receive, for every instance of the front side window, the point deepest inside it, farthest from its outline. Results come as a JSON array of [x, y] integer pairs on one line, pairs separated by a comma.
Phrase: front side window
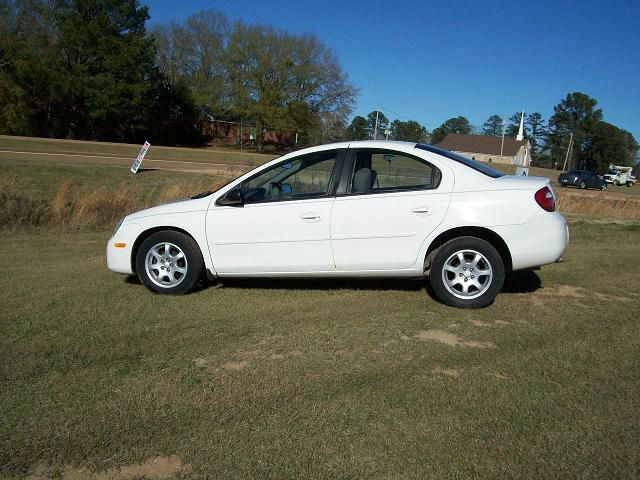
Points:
[[377, 171], [304, 177]]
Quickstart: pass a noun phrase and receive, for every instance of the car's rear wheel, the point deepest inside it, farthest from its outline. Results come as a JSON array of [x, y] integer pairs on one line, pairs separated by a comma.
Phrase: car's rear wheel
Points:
[[604, 187], [629, 184], [583, 185], [169, 262], [467, 272]]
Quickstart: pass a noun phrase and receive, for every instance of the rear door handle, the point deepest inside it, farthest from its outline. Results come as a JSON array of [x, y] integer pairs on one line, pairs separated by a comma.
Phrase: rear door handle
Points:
[[311, 217], [422, 210]]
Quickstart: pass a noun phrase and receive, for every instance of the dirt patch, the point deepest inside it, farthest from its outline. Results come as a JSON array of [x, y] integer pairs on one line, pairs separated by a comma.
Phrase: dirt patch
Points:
[[569, 291], [280, 356], [156, 468], [449, 372], [451, 339], [235, 365], [202, 362], [480, 323]]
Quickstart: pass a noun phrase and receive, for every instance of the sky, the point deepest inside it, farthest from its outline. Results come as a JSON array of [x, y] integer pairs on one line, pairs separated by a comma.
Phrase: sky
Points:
[[433, 60]]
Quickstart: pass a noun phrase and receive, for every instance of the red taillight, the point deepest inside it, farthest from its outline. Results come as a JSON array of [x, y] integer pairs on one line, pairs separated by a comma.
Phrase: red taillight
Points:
[[545, 199]]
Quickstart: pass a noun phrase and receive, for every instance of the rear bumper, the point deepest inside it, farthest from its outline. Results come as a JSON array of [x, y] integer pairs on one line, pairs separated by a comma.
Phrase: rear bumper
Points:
[[541, 241]]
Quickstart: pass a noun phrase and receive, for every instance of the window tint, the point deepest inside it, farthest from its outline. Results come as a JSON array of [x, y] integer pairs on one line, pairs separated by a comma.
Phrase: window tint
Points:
[[384, 171], [308, 176]]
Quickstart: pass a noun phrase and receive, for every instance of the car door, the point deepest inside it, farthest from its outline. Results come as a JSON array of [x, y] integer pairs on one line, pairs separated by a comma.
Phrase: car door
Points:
[[283, 225], [388, 203]]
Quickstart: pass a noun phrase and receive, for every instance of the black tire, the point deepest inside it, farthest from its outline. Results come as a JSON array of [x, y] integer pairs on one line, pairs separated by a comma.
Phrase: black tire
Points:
[[604, 187], [629, 184], [446, 255], [583, 185], [170, 281]]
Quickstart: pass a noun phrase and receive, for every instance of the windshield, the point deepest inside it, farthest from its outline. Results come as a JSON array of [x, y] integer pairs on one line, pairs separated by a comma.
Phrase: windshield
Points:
[[477, 166]]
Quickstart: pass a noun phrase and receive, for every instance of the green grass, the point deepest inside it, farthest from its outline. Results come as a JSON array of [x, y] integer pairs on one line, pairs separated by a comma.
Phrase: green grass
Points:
[[320, 379], [306, 379], [130, 151]]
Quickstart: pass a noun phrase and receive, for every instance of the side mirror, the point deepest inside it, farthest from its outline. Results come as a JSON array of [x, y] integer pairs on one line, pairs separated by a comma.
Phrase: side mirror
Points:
[[233, 198]]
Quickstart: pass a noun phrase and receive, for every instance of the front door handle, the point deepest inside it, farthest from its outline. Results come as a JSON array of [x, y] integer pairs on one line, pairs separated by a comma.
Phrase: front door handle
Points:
[[311, 217], [422, 210]]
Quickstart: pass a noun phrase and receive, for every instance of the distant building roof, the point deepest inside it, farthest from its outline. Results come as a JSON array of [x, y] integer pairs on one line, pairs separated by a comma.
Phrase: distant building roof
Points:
[[459, 142]]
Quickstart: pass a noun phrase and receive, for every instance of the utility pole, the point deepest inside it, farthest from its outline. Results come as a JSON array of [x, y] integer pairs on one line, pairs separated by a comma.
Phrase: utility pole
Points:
[[504, 126], [566, 157], [375, 130]]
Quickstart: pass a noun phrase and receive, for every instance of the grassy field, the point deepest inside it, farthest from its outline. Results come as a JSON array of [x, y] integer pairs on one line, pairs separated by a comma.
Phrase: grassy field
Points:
[[318, 379], [306, 379]]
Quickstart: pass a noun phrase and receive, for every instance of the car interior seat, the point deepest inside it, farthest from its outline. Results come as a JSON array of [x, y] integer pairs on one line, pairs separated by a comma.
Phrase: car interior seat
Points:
[[435, 178], [363, 180]]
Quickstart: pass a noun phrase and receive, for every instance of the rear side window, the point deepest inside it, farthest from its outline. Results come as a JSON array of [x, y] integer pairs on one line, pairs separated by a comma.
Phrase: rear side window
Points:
[[477, 166], [377, 171]]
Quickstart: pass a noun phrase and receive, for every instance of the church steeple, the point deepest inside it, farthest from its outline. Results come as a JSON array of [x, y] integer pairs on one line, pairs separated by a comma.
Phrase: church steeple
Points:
[[520, 135]]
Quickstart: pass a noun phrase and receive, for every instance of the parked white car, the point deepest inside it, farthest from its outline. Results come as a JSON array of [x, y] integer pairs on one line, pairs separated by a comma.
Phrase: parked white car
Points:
[[357, 209]]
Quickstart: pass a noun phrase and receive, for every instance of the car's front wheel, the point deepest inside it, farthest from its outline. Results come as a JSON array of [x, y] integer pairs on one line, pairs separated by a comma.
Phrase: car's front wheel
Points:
[[169, 262], [467, 272]]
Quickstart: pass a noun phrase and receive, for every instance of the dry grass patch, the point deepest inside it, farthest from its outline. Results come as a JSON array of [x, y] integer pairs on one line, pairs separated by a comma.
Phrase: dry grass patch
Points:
[[82, 207], [449, 339], [598, 204], [156, 468]]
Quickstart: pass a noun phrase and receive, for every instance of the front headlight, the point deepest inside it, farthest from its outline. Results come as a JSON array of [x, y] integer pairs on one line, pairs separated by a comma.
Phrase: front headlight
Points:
[[115, 230]]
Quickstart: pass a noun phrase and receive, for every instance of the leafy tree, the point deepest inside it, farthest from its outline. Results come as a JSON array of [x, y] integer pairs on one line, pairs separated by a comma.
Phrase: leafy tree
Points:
[[28, 105], [358, 129], [453, 125], [607, 145], [192, 54], [106, 67], [410, 131], [174, 115], [283, 81], [77, 69], [577, 114], [330, 127], [494, 126], [383, 123], [536, 131]]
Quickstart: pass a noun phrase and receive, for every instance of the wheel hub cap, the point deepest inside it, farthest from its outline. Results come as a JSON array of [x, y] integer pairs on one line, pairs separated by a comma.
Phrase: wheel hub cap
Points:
[[467, 274], [166, 265]]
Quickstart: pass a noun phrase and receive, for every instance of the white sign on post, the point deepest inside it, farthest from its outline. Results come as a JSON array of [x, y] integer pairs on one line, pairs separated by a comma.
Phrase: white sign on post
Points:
[[136, 163], [522, 171]]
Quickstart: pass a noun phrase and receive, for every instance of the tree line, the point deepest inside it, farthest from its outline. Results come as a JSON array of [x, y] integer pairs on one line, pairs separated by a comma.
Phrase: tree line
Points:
[[91, 70], [595, 143]]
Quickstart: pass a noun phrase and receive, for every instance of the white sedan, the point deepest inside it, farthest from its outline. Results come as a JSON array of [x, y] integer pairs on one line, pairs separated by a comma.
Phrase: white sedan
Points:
[[356, 209]]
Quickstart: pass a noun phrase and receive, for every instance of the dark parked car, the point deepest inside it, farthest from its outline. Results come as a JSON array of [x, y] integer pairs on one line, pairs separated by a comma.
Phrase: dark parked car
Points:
[[583, 179]]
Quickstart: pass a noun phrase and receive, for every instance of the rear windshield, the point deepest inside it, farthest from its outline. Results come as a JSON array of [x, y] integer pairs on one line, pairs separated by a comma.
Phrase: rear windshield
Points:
[[477, 166]]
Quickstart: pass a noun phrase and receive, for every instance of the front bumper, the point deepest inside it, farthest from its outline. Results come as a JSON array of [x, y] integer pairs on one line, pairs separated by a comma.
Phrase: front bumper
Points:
[[120, 248]]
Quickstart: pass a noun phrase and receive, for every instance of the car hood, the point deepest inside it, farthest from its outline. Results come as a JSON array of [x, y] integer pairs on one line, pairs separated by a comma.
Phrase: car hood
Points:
[[180, 206]]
